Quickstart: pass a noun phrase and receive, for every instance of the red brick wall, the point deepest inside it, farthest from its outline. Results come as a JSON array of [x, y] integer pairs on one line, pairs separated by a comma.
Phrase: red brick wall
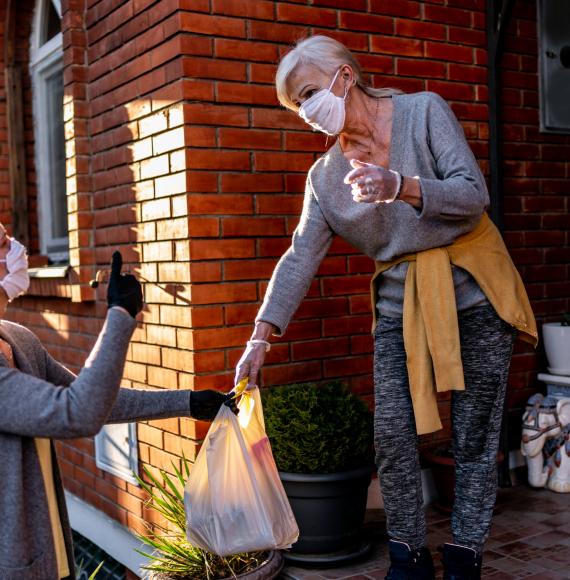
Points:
[[536, 190], [410, 45], [180, 156], [21, 58]]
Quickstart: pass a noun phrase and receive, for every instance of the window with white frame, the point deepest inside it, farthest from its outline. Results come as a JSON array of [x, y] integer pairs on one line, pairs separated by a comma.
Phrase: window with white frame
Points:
[[46, 67]]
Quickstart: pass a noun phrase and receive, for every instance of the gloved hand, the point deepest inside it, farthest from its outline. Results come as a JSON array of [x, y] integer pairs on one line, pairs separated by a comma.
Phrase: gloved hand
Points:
[[204, 405], [250, 364], [372, 183], [124, 289]]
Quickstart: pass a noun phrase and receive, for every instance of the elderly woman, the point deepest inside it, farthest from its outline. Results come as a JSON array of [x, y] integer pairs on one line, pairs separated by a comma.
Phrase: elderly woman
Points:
[[401, 184], [43, 401]]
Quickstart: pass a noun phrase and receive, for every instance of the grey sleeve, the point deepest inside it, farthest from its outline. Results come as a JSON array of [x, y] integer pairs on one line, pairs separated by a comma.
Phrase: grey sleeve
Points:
[[460, 191], [298, 265], [131, 404], [33, 407], [56, 373], [138, 405]]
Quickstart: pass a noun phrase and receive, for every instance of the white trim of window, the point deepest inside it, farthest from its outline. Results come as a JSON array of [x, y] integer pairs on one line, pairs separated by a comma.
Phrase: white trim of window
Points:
[[116, 451], [53, 47], [44, 61], [119, 542], [38, 19]]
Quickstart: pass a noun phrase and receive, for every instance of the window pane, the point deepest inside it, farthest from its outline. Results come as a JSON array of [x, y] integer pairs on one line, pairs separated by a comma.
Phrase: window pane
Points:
[[51, 24], [56, 154]]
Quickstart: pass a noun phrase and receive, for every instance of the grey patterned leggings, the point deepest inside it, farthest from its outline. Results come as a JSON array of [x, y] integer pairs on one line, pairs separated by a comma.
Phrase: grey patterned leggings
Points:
[[486, 348]]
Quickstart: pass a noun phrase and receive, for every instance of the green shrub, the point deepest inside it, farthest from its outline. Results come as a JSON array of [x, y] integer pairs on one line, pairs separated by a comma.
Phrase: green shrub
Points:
[[317, 428]]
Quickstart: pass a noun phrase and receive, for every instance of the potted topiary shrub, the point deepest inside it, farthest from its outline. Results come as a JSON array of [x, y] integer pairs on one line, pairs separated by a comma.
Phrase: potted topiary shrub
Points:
[[322, 441], [173, 558], [556, 337]]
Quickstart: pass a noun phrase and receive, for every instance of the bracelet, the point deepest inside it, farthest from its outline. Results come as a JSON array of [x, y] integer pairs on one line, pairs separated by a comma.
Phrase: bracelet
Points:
[[260, 341], [400, 179]]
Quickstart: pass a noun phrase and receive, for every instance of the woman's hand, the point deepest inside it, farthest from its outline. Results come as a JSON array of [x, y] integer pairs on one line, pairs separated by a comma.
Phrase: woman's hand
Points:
[[250, 364], [253, 356], [372, 184]]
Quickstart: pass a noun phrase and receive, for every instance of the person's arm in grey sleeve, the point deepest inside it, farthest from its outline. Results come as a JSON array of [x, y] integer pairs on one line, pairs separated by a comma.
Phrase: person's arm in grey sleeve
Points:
[[289, 284], [298, 265], [139, 405], [460, 191], [142, 405], [56, 373], [131, 404], [34, 407]]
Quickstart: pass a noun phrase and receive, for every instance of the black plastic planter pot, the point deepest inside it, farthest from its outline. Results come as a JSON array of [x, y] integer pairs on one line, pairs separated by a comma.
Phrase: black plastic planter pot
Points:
[[330, 510]]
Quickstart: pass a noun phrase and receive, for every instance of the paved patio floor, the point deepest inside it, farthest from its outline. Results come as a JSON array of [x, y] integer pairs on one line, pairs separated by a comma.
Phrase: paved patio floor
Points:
[[530, 538]]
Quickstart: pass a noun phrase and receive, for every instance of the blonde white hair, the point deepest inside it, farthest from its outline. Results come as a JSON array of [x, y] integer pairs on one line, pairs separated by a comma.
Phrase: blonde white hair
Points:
[[327, 55]]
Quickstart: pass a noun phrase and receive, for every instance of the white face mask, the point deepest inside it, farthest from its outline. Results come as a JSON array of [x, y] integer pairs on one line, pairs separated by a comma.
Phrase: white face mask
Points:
[[325, 111], [17, 279]]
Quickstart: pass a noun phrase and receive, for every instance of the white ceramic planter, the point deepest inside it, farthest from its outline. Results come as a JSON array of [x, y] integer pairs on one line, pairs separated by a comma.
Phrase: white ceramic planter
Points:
[[557, 346]]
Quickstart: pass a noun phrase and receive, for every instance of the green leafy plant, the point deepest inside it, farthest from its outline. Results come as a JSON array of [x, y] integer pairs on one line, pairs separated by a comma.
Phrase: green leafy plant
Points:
[[565, 319], [96, 571], [317, 428], [80, 570], [173, 556]]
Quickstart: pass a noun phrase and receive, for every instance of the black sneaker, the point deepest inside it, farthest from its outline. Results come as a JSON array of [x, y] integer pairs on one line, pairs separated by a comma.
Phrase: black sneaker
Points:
[[408, 564], [461, 563]]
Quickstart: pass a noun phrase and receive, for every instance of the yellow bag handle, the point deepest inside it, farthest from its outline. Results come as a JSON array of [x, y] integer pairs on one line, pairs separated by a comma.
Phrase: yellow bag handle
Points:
[[246, 403], [240, 387]]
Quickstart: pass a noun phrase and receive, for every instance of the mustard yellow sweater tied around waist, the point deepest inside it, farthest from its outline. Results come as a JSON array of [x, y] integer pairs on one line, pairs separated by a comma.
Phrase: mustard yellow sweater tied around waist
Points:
[[431, 330]]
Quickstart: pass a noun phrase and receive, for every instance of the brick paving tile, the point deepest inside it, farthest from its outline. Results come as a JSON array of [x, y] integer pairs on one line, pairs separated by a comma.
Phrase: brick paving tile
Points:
[[495, 542], [548, 576], [379, 574], [549, 539], [520, 532], [562, 556], [521, 550], [560, 519], [529, 539], [550, 564], [565, 527], [491, 555], [515, 566]]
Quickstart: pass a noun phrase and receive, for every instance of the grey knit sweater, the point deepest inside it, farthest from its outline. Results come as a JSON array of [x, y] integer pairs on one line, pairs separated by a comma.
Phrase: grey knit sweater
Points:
[[427, 141], [41, 398]]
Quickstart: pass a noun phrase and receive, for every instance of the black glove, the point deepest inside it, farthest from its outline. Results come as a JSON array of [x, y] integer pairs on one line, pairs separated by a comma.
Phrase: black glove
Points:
[[124, 289], [204, 405]]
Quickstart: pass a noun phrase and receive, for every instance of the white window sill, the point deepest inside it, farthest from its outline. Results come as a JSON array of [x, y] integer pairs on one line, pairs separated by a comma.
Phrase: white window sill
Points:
[[49, 272]]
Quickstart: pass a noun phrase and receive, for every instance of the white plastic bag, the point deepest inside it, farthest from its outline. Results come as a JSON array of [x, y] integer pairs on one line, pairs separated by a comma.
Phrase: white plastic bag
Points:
[[234, 499]]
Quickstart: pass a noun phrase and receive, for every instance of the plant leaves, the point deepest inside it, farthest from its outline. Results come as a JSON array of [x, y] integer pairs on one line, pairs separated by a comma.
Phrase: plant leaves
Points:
[[317, 428]]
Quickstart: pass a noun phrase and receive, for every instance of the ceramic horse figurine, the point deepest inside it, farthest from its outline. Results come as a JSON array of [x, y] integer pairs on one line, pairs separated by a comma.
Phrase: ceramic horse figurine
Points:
[[544, 419]]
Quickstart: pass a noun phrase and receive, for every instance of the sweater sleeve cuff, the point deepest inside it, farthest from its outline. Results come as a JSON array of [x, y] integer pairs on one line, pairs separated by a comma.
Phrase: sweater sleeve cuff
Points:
[[432, 199], [183, 399], [277, 316], [120, 320]]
